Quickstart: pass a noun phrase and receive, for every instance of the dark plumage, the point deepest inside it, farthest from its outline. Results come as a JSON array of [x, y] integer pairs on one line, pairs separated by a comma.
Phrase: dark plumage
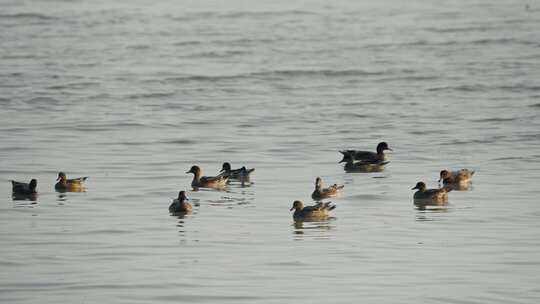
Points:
[[363, 166], [367, 156], [241, 174], [21, 188]]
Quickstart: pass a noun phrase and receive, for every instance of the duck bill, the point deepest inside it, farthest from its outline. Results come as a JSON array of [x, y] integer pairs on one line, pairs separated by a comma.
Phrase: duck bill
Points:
[[414, 188], [291, 209]]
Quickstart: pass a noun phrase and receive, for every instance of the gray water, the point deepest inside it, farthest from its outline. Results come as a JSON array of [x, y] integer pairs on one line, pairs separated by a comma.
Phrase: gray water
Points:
[[132, 93]]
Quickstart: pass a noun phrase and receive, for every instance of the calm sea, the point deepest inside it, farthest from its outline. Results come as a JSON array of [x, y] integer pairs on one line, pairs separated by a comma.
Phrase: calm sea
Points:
[[133, 93]]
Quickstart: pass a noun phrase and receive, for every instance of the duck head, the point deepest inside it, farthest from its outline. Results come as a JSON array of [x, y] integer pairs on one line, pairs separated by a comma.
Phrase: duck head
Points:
[[182, 196], [443, 175], [195, 170], [382, 146], [61, 176], [297, 205], [33, 184], [420, 186], [225, 167]]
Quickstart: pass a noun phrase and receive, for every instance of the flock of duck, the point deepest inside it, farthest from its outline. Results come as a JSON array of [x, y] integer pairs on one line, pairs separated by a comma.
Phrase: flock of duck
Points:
[[355, 161]]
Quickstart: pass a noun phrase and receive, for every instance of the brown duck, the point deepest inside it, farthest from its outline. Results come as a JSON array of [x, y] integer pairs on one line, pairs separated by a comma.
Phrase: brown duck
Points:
[[320, 210], [462, 176], [73, 184], [180, 205], [320, 192], [430, 195], [199, 181]]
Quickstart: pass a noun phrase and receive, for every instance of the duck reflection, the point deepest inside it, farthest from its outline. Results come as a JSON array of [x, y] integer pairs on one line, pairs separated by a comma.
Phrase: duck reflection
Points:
[[313, 228], [32, 197], [430, 205]]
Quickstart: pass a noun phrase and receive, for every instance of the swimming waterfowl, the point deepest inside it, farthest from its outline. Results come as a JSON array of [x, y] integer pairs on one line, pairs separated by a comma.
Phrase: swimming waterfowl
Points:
[[206, 181], [180, 205], [462, 176], [241, 174], [363, 166], [367, 155], [430, 195], [320, 192], [72, 184], [20, 188], [320, 210]]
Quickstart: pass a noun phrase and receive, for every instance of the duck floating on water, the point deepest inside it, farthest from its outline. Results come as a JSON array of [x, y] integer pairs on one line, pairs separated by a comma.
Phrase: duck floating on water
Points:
[[72, 185], [424, 195], [241, 174], [367, 156], [216, 182], [320, 192], [21, 188], [318, 211], [180, 205], [456, 178]]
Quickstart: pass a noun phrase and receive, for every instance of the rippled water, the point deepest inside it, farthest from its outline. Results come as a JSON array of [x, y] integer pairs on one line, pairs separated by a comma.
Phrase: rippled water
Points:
[[133, 93]]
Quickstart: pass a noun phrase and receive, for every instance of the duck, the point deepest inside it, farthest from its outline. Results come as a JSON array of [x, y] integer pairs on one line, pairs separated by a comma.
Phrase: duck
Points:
[[430, 195], [207, 181], [241, 174], [21, 188], [320, 210], [363, 166], [72, 184], [320, 192], [367, 156], [180, 205], [462, 176]]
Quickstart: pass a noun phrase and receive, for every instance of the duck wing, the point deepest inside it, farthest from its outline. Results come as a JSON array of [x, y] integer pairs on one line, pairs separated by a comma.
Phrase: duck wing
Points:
[[77, 180], [20, 186]]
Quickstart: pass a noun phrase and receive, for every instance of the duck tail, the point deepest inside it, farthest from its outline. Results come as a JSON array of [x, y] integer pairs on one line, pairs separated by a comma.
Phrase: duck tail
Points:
[[251, 170]]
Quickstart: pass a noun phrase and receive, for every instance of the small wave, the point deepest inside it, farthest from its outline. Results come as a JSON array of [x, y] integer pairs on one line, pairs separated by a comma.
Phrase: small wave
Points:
[[494, 119], [502, 41], [220, 54], [151, 95], [459, 29], [27, 16]]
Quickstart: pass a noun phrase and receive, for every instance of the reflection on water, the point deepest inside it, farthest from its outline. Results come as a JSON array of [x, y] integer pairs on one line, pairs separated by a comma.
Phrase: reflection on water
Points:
[[25, 197], [431, 204], [315, 228]]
